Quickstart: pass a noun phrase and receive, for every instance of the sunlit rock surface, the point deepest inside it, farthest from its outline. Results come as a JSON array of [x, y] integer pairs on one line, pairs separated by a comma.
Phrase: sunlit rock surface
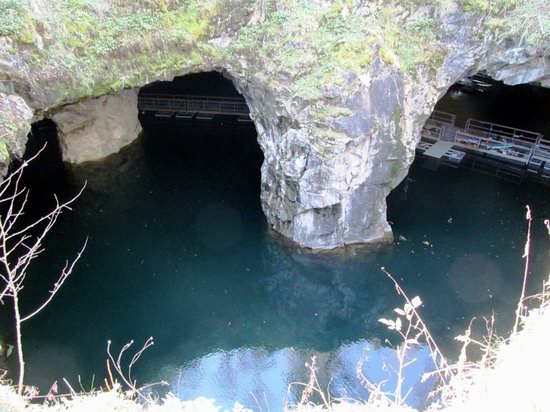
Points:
[[94, 129], [338, 90], [15, 124]]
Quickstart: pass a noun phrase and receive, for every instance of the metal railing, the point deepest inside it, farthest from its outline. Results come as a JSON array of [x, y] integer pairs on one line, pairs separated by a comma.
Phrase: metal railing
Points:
[[440, 125], [499, 130], [444, 118], [505, 142], [432, 132], [511, 149], [188, 103], [542, 150]]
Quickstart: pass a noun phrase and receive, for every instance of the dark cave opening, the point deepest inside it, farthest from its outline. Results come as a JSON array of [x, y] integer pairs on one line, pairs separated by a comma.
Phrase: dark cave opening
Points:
[[490, 127], [202, 122], [205, 98]]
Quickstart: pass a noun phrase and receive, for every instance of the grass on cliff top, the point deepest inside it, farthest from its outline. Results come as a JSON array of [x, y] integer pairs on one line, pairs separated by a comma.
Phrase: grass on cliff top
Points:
[[529, 21], [16, 21], [102, 47], [316, 46], [118, 42], [156, 36]]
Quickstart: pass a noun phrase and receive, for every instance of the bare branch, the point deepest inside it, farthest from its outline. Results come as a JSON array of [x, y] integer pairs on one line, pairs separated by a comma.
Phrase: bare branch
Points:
[[117, 365], [526, 253], [67, 270], [148, 343], [58, 209], [19, 246], [437, 356]]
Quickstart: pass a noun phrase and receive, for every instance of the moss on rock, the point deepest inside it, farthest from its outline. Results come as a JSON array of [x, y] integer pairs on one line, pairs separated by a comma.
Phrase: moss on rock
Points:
[[15, 118]]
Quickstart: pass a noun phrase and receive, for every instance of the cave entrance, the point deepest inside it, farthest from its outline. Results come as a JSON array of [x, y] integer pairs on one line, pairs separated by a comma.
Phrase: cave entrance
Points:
[[492, 128], [470, 226], [200, 143], [175, 215], [202, 97], [46, 170]]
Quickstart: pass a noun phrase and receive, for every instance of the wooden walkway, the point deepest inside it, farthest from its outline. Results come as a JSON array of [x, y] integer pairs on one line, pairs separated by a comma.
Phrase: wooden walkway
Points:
[[512, 147], [439, 149], [212, 105]]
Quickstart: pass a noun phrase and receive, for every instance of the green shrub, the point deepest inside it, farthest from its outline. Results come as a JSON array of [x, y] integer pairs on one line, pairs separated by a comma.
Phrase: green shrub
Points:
[[16, 21]]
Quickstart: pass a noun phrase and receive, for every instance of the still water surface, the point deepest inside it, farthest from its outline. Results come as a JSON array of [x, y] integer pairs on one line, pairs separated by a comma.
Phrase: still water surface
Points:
[[179, 250]]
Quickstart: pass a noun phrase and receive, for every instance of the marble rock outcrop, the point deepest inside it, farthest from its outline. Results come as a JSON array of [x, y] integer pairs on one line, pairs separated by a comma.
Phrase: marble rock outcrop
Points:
[[93, 129], [339, 91]]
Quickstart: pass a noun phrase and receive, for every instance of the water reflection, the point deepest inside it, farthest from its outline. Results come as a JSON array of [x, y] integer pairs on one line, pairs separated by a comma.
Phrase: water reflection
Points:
[[336, 295], [259, 378], [117, 173], [179, 250]]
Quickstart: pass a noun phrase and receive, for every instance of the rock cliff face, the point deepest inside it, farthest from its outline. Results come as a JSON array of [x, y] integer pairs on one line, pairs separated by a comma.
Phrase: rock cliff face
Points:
[[15, 118], [94, 129], [338, 90]]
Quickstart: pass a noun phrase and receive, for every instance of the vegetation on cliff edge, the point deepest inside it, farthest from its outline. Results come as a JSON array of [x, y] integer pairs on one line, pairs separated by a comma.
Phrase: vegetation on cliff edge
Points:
[[92, 48]]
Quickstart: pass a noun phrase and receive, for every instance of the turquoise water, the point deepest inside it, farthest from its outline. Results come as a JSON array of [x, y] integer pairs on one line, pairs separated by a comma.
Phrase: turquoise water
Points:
[[179, 250]]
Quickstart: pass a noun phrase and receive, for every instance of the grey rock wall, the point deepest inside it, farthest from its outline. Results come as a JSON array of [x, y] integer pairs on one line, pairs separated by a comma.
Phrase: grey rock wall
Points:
[[15, 125], [93, 129], [333, 149]]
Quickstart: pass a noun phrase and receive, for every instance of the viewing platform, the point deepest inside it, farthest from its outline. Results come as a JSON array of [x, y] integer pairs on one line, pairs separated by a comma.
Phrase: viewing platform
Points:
[[489, 147], [441, 150], [187, 107], [518, 152]]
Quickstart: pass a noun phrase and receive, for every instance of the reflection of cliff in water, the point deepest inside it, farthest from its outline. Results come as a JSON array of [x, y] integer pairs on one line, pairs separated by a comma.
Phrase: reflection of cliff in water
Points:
[[341, 297], [324, 291], [251, 375], [115, 173]]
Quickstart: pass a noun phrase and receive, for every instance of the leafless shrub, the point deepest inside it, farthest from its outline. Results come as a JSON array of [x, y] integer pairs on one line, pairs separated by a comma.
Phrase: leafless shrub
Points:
[[124, 373], [412, 331], [466, 374], [20, 244], [311, 387], [454, 381]]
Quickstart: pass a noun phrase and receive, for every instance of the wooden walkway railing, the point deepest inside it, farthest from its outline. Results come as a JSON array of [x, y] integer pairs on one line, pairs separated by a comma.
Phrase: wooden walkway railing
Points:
[[498, 141], [199, 104], [492, 129]]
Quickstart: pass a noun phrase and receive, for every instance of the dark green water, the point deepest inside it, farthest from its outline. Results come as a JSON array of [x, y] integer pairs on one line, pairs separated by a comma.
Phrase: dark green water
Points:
[[179, 250]]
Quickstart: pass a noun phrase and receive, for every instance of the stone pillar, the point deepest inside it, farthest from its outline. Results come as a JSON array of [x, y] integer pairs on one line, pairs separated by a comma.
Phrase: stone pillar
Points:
[[325, 180], [94, 129]]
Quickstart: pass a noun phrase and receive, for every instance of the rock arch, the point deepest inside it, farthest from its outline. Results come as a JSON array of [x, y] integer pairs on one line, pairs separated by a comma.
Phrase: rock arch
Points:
[[338, 117]]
